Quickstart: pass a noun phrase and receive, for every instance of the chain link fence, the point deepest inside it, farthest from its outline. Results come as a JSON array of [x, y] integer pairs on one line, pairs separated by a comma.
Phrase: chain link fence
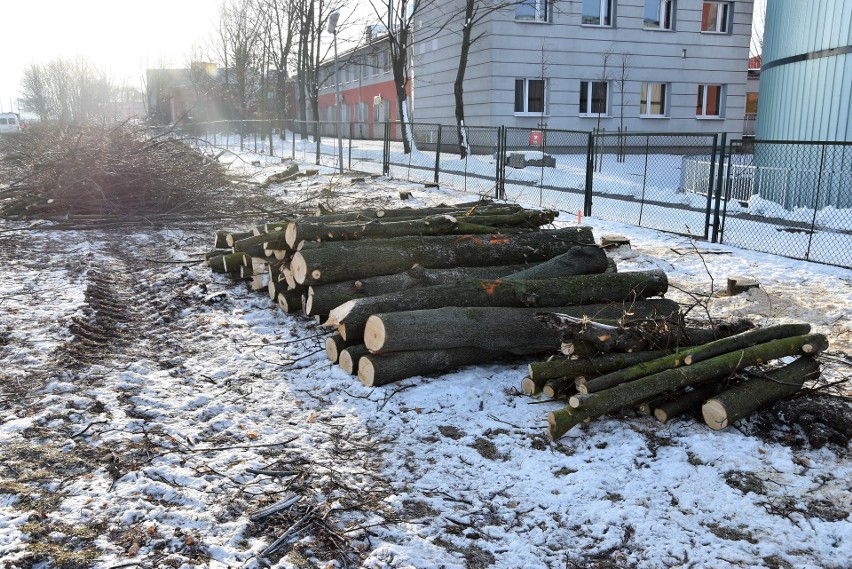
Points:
[[789, 198], [650, 180]]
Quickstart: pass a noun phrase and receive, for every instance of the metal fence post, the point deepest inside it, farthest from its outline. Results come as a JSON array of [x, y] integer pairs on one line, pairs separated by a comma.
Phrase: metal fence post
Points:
[[438, 155], [711, 183], [386, 150], [590, 177], [317, 140], [816, 201], [351, 135], [720, 184]]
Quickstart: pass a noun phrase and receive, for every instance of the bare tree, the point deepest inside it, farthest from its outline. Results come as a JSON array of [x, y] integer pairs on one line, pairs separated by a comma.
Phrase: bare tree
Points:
[[66, 90], [472, 14], [237, 46], [621, 78], [280, 33]]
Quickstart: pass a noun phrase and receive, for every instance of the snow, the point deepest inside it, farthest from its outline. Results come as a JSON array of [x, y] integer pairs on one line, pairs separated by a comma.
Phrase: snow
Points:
[[450, 470]]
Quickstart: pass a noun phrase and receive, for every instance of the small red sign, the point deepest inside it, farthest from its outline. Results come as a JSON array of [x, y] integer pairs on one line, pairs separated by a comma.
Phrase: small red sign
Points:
[[535, 138]]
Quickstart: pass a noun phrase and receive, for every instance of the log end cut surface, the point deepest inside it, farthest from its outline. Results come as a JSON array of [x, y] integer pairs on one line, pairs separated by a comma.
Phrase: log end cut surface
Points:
[[299, 268], [374, 334], [366, 372], [715, 414]]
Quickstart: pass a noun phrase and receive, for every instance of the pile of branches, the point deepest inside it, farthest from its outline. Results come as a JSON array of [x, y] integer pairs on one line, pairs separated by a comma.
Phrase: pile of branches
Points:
[[101, 170], [729, 370]]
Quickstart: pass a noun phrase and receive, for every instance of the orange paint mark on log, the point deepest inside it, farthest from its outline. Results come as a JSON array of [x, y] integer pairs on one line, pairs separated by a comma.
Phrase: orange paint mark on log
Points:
[[490, 286], [498, 240], [476, 240]]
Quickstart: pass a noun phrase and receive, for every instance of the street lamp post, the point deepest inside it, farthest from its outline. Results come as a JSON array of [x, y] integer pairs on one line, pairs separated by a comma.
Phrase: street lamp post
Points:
[[332, 29]]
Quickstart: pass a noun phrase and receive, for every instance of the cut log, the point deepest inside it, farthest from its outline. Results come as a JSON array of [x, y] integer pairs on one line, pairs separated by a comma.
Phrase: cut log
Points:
[[376, 370], [274, 240], [639, 336], [577, 290], [339, 261], [691, 356], [738, 285], [368, 214], [290, 300], [559, 387], [433, 225], [578, 260], [334, 344], [540, 372], [684, 402], [739, 401], [631, 394], [511, 330], [323, 298], [235, 236], [350, 356]]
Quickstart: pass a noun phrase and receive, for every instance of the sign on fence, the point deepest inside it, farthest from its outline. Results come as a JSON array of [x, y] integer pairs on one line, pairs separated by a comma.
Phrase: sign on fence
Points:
[[536, 138]]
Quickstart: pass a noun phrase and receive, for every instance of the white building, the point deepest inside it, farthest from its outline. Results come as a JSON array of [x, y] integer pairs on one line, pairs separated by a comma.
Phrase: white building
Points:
[[676, 66]]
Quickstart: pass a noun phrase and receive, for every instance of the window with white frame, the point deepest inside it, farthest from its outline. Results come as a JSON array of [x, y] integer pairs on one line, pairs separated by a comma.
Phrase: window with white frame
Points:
[[593, 98], [652, 102], [529, 96], [597, 13], [716, 17], [659, 14], [710, 101], [532, 11]]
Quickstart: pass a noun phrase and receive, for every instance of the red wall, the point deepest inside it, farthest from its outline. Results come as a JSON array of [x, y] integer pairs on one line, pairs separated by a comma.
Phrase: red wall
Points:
[[352, 95]]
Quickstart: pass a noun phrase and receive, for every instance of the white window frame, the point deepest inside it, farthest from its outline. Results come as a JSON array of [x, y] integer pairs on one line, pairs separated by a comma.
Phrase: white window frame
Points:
[[646, 103], [588, 86], [665, 13], [541, 9], [724, 16], [702, 98], [605, 15], [526, 97]]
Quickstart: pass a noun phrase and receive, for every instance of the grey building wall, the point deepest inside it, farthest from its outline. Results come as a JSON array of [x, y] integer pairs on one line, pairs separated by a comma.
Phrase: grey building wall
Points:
[[565, 53], [806, 76]]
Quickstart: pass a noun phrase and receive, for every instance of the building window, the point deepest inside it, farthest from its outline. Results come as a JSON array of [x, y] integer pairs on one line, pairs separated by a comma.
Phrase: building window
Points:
[[531, 11], [386, 61], [597, 12], [593, 97], [751, 102], [716, 17], [652, 102], [709, 102], [659, 14], [529, 95]]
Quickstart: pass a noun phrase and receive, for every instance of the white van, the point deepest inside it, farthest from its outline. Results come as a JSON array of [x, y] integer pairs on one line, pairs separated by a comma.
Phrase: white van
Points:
[[9, 122]]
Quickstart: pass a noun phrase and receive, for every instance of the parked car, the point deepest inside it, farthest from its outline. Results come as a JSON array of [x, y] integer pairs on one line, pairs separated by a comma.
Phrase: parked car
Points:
[[9, 122]]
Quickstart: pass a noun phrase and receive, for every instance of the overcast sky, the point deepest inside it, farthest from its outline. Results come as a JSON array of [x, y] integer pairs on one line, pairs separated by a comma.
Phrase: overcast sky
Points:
[[123, 38]]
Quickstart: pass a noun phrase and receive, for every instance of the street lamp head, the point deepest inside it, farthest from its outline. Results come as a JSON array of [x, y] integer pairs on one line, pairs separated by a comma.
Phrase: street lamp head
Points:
[[332, 22]]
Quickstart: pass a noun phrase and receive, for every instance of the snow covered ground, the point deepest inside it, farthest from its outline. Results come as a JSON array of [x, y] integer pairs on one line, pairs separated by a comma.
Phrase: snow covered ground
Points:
[[147, 405]]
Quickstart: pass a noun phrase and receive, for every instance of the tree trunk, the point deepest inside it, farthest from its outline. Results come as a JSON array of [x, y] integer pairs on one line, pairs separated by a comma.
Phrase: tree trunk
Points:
[[631, 394], [540, 372], [371, 214], [323, 298], [577, 290], [290, 300], [684, 402], [511, 330], [739, 401], [559, 387], [335, 262], [455, 222], [578, 260], [694, 355], [375, 370], [641, 336], [334, 344], [350, 356], [458, 84]]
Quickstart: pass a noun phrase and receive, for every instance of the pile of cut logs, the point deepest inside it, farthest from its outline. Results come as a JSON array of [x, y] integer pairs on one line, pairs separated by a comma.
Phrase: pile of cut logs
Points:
[[419, 291], [668, 371]]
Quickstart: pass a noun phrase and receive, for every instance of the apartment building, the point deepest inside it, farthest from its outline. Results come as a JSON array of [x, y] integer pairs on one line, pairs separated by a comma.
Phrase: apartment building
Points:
[[647, 65]]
